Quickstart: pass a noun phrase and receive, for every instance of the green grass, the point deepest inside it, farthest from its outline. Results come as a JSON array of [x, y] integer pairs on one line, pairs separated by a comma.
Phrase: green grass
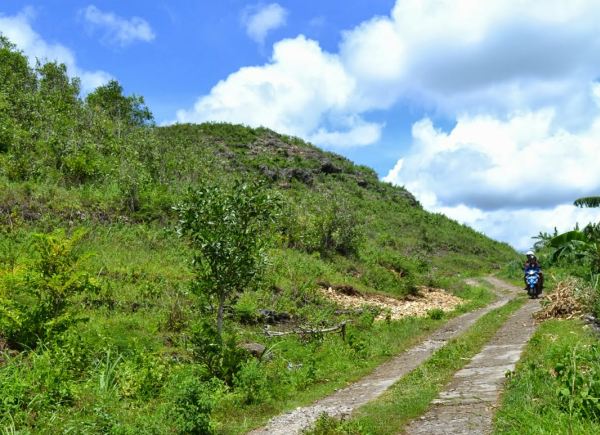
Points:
[[411, 396], [144, 273], [530, 404]]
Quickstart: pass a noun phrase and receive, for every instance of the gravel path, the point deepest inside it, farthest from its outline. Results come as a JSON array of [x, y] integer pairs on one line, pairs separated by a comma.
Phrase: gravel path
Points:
[[467, 404], [344, 401]]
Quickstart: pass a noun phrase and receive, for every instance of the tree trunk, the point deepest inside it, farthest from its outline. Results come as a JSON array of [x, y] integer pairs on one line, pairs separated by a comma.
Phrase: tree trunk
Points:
[[220, 313]]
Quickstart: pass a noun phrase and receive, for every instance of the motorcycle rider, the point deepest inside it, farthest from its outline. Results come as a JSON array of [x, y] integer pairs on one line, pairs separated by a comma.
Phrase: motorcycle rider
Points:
[[532, 264]]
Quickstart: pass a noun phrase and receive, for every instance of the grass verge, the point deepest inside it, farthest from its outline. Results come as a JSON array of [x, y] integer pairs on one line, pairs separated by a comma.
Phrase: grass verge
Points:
[[532, 402], [411, 396]]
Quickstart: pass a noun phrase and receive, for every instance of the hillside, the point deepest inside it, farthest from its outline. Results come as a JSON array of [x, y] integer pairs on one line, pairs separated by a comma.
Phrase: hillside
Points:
[[101, 327]]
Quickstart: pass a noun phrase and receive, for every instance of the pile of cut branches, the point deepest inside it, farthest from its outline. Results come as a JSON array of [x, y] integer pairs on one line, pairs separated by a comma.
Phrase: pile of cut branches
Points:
[[569, 300]]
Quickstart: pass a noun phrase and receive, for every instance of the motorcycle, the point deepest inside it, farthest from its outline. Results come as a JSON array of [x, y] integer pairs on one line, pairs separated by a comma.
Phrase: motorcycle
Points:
[[532, 277]]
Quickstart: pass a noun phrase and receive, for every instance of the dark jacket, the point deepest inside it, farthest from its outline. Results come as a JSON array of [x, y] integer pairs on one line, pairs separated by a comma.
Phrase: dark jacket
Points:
[[532, 265]]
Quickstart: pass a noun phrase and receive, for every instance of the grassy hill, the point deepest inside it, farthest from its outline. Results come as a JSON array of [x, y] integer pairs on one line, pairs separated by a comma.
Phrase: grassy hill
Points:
[[101, 330]]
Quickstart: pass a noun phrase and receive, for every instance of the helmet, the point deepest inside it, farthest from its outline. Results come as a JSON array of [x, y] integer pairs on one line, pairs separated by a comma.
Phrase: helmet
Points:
[[530, 254]]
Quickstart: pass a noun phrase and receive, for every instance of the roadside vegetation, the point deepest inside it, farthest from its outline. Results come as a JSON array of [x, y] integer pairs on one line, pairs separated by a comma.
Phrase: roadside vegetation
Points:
[[555, 387], [124, 309]]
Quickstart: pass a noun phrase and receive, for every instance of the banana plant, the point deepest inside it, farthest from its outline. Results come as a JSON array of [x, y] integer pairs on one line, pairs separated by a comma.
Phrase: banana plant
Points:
[[578, 246], [588, 201]]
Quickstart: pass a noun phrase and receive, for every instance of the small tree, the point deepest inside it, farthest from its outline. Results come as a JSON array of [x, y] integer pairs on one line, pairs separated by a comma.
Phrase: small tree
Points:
[[36, 299], [226, 228]]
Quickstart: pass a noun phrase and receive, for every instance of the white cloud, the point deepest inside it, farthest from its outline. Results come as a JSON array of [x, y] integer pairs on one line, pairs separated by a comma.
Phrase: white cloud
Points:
[[507, 177], [487, 162], [517, 227], [470, 55], [18, 30], [358, 133], [117, 30], [289, 97], [453, 56], [261, 19]]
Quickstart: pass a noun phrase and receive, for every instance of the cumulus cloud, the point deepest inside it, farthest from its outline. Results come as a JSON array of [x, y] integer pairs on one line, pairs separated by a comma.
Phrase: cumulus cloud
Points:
[[289, 97], [518, 227], [506, 177], [261, 19], [526, 160], [469, 55], [19, 31], [115, 29]]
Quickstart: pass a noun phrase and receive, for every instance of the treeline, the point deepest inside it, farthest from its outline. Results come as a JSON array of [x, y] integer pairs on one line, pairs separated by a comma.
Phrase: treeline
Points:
[[50, 133]]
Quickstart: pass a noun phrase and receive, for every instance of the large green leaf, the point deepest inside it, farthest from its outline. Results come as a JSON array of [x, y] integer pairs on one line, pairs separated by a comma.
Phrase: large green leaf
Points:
[[565, 238], [588, 201]]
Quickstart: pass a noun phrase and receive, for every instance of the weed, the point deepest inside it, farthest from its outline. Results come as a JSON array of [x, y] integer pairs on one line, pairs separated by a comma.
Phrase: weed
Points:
[[554, 386], [251, 383], [435, 314]]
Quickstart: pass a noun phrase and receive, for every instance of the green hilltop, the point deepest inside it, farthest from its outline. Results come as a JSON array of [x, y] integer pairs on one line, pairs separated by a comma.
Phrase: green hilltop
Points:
[[101, 328]]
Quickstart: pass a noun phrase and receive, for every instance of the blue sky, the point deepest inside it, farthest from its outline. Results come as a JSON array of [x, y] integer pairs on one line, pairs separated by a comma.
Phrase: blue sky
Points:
[[487, 111]]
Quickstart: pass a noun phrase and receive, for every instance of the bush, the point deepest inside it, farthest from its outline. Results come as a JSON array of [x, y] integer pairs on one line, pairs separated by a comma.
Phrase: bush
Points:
[[191, 401], [251, 383], [142, 376], [219, 354], [435, 314], [246, 309], [34, 298], [327, 227], [326, 425], [226, 227]]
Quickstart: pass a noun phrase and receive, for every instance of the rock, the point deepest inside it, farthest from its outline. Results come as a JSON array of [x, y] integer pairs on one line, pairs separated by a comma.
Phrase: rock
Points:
[[303, 175], [255, 349], [347, 290], [327, 167], [271, 174], [272, 317], [362, 182]]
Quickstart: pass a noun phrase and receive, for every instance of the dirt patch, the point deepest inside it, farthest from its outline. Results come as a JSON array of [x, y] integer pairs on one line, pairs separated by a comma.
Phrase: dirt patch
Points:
[[427, 299]]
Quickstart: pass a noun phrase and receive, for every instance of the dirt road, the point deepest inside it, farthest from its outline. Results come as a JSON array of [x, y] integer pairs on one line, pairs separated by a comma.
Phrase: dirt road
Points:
[[467, 404], [345, 401]]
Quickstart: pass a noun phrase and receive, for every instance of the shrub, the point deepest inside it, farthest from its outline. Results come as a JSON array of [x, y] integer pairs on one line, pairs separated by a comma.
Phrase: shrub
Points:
[[327, 227], [251, 383], [226, 228], [142, 376], [435, 314], [191, 401], [34, 298], [219, 354], [326, 425], [246, 309]]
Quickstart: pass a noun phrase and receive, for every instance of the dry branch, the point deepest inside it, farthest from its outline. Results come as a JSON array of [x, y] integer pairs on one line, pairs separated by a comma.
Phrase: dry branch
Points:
[[308, 331], [564, 303]]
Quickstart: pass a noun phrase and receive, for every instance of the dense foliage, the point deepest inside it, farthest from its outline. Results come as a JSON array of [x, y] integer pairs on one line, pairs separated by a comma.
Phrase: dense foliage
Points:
[[106, 325]]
